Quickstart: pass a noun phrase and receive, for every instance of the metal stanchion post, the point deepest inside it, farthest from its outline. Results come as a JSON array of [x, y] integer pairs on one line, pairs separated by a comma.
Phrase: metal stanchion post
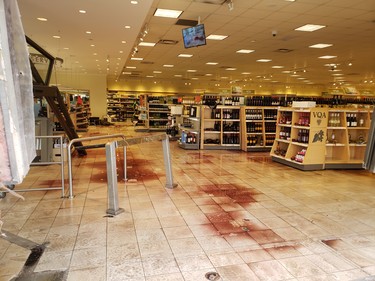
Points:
[[110, 152], [168, 164]]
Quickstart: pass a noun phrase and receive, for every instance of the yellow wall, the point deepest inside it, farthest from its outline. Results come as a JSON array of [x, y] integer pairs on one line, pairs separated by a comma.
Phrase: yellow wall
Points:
[[148, 86], [96, 84]]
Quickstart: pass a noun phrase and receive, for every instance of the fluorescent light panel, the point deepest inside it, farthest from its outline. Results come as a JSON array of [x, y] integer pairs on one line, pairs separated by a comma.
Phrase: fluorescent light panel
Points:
[[216, 37], [245, 51], [310, 27], [136, 58], [327, 57], [277, 66], [166, 13], [212, 63], [320, 46], [168, 65], [185, 55], [147, 44], [264, 60]]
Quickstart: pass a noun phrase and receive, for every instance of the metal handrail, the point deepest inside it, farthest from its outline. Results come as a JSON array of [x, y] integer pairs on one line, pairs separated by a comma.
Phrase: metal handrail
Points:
[[89, 139]]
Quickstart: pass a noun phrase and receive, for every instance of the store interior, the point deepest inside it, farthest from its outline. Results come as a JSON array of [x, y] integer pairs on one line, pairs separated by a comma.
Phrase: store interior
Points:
[[243, 145]]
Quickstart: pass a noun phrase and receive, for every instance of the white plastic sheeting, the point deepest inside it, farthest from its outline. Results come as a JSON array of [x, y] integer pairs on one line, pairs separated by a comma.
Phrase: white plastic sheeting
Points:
[[17, 125]]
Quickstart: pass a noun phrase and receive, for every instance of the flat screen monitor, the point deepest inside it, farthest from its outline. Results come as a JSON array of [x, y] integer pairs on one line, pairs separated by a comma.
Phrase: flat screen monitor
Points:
[[194, 36]]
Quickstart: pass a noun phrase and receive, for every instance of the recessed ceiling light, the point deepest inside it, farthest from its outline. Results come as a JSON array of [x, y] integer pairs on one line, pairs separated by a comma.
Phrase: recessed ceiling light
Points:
[[185, 55], [191, 70], [127, 26], [216, 37], [320, 46], [277, 66], [126, 72], [147, 44], [150, 76], [194, 78], [264, 60], [327, 57], [310, 27], [157, 71], [231, 68], [66, 48], [208, 74], [95, 54], [168, 65], [134, 2], [177, 75], [245, 51], [295, 75], [88, 32], [136, 58], [246, 73], [82, 11], [224, 77], [286, 71], [166, 13], [56, 36], [92, 45], [42, 19], [212, 63], [123, 42], [131, 67], [301, 78], [337, 74], [120, 52]]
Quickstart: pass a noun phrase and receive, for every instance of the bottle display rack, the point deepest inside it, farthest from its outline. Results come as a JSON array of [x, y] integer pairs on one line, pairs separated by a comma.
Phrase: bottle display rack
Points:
[[321, 138], [120, 106], [300, 138], [220, 128], [83, 114], [258, 128], [190, 126], [347, 135], [158, 110]]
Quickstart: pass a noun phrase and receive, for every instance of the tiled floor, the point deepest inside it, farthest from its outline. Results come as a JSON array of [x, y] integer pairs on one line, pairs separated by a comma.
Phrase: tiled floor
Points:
[[234, 213]]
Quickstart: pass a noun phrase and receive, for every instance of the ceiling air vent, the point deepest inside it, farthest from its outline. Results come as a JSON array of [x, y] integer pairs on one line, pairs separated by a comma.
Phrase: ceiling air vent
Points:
[[168, 42], [353, 74], [283, 50], [215, 2], [186, 22]]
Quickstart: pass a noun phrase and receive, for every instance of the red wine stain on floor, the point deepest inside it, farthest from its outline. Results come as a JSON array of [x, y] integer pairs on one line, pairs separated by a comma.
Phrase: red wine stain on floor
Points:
[[138, 169], [333, 243]]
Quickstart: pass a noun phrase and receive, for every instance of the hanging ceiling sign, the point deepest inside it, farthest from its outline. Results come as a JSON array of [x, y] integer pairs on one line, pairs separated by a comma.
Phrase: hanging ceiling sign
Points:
[[38, 59]]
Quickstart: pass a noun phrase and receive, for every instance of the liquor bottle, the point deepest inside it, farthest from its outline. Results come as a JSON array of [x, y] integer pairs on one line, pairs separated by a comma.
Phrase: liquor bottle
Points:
[[354, 122]]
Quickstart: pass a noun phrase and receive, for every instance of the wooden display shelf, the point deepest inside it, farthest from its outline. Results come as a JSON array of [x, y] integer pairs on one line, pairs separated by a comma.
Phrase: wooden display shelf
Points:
[[338, 146]]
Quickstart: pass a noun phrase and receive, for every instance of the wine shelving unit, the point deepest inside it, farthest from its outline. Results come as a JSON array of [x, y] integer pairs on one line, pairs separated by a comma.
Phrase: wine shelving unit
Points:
[[258, 126], [189, 128], [347, 135], [120, 106], [321, 138], [300, 138], [221, 127]]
